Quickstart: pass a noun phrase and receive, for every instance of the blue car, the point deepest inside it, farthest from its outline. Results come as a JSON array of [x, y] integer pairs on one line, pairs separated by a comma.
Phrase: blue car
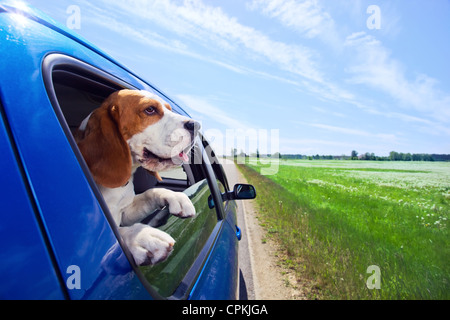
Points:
[[57, 237]]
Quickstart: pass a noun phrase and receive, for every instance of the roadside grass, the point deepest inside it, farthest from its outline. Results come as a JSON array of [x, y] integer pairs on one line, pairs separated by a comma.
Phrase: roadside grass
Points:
[[337, 218]]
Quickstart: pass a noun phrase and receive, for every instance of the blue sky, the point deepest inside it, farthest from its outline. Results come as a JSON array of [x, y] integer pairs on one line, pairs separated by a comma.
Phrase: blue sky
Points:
[[331, 76]]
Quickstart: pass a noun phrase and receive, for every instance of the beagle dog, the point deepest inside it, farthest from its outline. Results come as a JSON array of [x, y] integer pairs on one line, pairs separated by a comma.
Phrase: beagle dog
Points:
[[135, 128]]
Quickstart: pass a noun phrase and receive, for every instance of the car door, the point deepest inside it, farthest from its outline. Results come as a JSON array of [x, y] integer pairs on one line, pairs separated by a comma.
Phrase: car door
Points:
[[27, 266], [80, 239], [49, 82], [75, 89]]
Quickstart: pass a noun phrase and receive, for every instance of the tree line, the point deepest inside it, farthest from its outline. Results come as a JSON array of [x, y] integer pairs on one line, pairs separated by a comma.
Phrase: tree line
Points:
[[393, 156]]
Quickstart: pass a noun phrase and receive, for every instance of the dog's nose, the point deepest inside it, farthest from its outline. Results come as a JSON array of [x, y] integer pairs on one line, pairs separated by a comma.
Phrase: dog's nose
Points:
[[192, 125]]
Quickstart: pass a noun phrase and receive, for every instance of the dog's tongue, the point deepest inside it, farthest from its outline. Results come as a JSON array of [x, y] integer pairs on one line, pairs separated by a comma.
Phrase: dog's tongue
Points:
[[184, 156]]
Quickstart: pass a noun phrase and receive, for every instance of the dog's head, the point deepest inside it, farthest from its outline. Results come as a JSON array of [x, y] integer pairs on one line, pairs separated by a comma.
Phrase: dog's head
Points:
[[133, 128]]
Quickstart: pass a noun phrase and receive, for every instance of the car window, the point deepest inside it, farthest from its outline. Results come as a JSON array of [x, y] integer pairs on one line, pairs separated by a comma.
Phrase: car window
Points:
[[175, 174], [190, 235], [219, 172], [78, 92]]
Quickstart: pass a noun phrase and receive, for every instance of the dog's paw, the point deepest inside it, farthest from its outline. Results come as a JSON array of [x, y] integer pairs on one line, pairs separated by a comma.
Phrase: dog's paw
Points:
[[147, 245], [179, 204]]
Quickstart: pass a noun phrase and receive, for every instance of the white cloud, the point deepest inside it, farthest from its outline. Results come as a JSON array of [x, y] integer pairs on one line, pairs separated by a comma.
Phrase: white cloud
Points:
[[375, 67], [203, 108], [318, 146], [306, 17], [210, 25], [371, 62], [327, 111], [354, 132], [153, 39]]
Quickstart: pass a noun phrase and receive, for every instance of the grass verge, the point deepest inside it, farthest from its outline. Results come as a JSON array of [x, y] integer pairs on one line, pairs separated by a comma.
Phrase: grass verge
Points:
[[334, 228]]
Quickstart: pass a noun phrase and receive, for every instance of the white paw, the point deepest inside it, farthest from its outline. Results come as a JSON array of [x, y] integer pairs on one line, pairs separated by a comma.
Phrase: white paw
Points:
[[180, 205], [147, 245]]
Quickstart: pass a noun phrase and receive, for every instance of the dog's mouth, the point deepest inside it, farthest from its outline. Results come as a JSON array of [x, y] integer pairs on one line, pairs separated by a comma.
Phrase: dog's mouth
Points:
[[183, 156], [147, 154]]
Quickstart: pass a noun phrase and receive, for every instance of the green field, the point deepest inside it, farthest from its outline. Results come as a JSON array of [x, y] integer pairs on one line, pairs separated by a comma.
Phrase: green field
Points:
[[337, 218]]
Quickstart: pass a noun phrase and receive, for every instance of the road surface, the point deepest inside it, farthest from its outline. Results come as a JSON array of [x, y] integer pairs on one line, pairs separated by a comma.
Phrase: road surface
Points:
[[262, 274]]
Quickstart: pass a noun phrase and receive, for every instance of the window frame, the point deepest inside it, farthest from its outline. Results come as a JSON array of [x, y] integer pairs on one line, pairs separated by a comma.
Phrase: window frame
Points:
[[64, 63]]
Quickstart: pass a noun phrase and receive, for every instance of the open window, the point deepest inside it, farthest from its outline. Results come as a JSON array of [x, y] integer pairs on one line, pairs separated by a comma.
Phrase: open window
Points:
[[75, 90]]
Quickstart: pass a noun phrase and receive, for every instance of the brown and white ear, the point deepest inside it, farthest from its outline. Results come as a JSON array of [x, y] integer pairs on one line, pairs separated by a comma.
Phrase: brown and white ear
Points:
[[104, 149], [168, 106]]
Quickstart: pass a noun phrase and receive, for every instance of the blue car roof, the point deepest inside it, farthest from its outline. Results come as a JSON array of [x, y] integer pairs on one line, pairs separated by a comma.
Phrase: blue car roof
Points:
[[42, 18], [32, 13]]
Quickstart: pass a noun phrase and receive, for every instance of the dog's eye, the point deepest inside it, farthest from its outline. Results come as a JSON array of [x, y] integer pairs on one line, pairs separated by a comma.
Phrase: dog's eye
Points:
[[150, 111]]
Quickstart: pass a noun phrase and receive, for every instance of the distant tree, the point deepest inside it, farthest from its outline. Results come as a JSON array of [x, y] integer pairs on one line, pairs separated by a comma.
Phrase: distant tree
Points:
[[394, 156], [441, 157], [354, 155], [367, 156]]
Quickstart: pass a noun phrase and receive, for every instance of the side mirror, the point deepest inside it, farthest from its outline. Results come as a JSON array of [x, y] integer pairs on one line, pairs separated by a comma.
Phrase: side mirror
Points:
[[240, 192], [243, 191]]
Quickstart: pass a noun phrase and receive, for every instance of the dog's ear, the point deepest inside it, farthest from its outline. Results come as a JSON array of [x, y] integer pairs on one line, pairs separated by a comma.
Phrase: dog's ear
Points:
[[104, 149]]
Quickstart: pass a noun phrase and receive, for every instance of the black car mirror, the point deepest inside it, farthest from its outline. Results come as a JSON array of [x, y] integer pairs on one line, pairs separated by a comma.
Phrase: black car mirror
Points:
[[244, 191], [240, 192]]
